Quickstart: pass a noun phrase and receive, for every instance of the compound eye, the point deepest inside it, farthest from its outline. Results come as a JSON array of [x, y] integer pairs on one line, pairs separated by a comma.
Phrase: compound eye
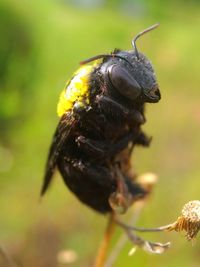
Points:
[[122, 80]]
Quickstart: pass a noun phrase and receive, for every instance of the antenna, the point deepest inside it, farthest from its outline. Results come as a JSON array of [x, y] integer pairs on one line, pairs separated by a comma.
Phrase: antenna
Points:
[[103, 56], [140, 34]]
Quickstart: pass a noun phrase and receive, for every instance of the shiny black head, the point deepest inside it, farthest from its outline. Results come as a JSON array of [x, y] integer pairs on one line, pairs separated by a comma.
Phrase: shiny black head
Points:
[[130, 73], [134, 77]]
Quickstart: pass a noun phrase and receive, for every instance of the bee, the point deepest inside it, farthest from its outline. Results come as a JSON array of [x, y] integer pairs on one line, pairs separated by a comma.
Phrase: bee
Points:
[[101, 113]]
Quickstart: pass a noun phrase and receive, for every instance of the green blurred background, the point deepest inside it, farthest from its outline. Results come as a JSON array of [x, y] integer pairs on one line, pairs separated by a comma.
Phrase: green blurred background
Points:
[[41, 45]]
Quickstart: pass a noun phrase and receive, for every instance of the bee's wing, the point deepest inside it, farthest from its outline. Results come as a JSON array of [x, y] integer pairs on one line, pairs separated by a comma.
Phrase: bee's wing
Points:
[[62, 132]]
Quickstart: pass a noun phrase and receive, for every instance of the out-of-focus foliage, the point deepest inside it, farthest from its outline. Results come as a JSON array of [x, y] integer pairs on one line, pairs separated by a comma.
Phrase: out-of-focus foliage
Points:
[[18, 68], [41, 45]]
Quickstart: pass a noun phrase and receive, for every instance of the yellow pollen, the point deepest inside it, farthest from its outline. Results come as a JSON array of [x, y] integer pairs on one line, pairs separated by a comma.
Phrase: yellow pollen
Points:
[[75, 91]]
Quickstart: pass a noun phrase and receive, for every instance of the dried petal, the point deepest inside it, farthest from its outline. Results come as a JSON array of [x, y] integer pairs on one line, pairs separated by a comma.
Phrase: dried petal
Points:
[[155, 248]]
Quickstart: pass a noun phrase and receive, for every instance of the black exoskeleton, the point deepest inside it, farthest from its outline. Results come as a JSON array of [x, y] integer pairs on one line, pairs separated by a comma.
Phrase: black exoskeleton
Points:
[[94, 139]]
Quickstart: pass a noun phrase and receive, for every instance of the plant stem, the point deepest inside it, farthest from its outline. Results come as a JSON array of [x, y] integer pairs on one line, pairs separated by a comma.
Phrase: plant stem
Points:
[[101, 255], [7, 258], [142, 229], [124, 238]]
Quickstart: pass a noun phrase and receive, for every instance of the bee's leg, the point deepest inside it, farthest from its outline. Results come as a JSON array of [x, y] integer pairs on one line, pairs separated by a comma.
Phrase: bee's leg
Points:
[[116, 110], [91, 147], [127, 192], [120, 190], [120, 200], [103, 148], [143, 139], [111, 177], [96, 173]]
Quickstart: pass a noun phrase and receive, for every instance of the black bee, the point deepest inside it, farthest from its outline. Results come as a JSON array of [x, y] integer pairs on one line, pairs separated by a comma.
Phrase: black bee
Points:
[[101, 112]]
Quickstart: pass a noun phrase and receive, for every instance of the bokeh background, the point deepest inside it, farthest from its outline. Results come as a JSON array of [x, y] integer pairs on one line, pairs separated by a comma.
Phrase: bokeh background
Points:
[[41, 45]]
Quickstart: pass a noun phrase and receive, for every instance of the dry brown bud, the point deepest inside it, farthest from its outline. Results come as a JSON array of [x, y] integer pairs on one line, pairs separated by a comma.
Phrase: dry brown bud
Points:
[[189, 220]]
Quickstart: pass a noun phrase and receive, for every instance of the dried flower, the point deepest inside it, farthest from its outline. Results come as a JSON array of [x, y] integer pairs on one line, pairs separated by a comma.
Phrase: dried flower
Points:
[[189, 220]]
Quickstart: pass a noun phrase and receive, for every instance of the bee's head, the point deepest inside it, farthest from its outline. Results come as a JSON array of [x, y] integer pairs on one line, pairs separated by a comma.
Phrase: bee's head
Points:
[[133, 76], [130, 73]]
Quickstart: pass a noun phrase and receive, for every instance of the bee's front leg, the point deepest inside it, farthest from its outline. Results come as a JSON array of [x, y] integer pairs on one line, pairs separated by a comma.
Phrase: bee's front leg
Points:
[[116, 110]]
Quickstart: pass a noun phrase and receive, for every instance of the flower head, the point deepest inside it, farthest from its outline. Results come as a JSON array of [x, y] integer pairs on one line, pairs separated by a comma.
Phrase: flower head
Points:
[[189, 220]]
